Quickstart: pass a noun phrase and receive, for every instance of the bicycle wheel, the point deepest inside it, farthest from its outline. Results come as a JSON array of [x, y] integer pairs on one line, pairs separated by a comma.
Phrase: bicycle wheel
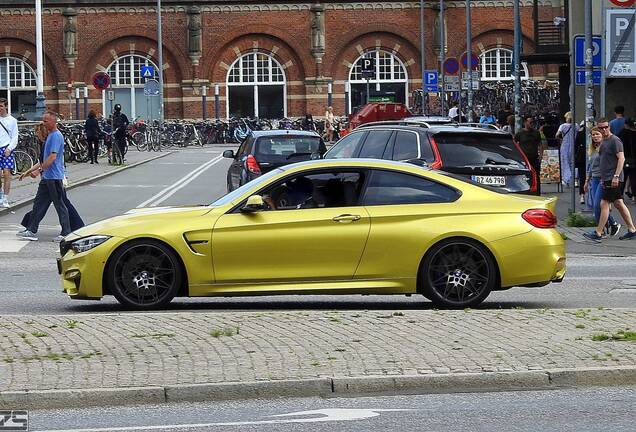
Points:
[[140, 140], [21, 162]]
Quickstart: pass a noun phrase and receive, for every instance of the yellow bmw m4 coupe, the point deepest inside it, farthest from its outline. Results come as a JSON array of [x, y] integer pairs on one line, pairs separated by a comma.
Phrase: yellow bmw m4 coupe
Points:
[[344, 226]]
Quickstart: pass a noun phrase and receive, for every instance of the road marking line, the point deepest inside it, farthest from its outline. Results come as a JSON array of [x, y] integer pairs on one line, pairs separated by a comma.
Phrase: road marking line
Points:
[[9, 243], [155, 199]]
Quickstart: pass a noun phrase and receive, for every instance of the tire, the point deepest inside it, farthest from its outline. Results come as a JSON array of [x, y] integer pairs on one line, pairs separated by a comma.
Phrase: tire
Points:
[[457, 273], [135, 271], [140, 141]]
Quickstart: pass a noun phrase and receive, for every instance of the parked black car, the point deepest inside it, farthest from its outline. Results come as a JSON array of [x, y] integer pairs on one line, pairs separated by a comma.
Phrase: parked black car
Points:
[[263, 151], [484, 155]]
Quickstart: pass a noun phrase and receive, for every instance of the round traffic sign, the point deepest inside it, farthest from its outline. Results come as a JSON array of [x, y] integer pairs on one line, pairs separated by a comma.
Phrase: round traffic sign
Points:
[[474, 62], [451, 66], [623, 3], [101, 80]]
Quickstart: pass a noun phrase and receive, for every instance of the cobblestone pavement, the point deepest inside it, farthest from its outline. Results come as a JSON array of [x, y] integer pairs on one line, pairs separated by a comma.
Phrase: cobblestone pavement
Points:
[[124, 350]]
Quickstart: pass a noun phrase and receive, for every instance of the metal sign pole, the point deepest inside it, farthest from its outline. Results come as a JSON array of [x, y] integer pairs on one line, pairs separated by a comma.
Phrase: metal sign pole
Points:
[[469, 61], [442, 53], [85, 102], [589, 80], [160, 66], [422, 51], [575, 124], [516, 66], [603, 54], [368, 90]]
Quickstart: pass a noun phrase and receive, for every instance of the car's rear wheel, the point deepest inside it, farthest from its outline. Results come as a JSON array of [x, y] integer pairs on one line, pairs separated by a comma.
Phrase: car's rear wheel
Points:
[[144, 274], [458, 273]]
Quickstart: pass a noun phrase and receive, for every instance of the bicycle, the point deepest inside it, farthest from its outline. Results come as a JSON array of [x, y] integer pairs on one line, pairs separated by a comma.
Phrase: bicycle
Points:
[[22, 162]]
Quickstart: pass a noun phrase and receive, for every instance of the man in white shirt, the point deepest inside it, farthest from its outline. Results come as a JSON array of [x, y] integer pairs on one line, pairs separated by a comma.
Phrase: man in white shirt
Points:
[[454, 113], [8, 142]]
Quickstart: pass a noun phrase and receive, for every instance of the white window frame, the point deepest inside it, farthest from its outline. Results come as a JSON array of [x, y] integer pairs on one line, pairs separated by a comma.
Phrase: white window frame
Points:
[[499, 76], [27, 73], [131, 76], [271, 65], [376, 80]]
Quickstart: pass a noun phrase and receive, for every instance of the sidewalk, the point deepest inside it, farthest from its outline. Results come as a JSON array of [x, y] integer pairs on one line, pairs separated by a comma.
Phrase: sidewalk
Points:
[[23, 192], [576, 243], [101, 359]]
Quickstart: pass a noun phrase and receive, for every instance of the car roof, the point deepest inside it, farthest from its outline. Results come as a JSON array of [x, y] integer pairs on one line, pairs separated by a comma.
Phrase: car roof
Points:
[[434, 129], [283, 132], [429, 119], [354, 162]]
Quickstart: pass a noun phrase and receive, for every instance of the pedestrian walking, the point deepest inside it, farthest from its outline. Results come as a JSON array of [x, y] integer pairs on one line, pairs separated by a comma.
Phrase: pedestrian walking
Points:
[[330, 119], [91, 129], [120, 123], [617, 125], [579, 160], [530, 142], [454, 113], [51, 188], [612, 159], [628, 137], [593, 182], [8, 142], [488, 118], [566, 134]]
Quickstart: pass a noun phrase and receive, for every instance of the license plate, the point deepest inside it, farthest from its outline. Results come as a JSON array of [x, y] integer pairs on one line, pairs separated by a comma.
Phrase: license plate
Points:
[[59, 266], [490, 180]]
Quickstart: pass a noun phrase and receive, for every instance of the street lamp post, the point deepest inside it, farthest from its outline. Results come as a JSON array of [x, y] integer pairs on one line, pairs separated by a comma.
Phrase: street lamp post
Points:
[[442, 53], [422, 51], [40, 100]]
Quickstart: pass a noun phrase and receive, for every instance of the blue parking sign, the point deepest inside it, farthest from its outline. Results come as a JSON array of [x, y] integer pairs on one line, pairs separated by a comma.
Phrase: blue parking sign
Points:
[[147, 71], [430, 78], [579, 51]]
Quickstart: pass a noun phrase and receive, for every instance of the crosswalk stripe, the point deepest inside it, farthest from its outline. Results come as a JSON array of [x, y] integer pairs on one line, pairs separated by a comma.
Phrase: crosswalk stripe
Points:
[[9, 243]]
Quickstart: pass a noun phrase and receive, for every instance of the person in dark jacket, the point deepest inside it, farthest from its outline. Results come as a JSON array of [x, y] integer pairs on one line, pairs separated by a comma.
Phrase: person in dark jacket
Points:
[[91, 129], [579, 159], [628, 137]]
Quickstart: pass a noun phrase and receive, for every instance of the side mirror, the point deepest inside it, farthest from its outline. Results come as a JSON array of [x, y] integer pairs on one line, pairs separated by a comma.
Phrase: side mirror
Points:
[[228, 154], [316, 156], [254, 204]]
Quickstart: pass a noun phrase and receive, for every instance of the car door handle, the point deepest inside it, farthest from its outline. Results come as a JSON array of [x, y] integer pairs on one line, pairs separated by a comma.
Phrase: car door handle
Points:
[[346, 218]]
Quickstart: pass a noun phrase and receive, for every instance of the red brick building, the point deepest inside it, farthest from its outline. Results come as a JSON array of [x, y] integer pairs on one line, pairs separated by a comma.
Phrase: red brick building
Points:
[[270, 59]]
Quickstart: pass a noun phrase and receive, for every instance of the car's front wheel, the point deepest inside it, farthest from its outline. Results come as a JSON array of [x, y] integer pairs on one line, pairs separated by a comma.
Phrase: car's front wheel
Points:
[[458, 273], [144, 274]]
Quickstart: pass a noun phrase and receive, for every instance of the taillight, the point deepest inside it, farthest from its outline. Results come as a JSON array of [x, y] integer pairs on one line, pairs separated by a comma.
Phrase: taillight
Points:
[[533, 180], [540, 218], [437, 164], [252, 165]]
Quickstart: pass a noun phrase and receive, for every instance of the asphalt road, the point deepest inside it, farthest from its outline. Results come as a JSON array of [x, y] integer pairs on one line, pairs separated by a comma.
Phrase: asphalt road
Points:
[[593, 409], [29, 282]]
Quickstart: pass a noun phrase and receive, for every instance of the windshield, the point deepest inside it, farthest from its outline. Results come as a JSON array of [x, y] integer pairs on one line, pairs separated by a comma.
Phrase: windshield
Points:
[[283, 148], [254, 184], [458, 150]]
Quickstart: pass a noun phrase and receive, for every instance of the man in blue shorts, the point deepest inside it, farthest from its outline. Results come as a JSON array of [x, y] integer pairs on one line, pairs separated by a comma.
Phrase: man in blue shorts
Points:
[[8, 142]]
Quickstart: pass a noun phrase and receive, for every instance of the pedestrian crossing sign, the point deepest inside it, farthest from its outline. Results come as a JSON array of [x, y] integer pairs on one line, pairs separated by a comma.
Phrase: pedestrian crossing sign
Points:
[[147, 71]]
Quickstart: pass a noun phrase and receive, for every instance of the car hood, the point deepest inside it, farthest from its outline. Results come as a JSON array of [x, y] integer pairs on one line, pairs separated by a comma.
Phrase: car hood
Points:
[[142, 220]]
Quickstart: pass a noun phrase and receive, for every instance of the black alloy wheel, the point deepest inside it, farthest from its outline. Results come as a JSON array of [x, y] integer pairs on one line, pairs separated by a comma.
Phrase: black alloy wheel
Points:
[[458, 273], [144, 274]]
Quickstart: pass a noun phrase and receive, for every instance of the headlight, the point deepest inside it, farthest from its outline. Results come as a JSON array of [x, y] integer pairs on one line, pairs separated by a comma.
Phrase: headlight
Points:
[[88, 243]]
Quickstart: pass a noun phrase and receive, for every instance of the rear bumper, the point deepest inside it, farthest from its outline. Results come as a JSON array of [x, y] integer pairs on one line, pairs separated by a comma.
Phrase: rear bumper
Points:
[[548, 264]]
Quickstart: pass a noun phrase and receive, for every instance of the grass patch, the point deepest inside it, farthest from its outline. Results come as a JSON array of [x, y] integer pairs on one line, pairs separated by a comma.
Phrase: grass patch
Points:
[[600, 337], [579, 220], [580, 313], [52, 356], [625, 336], [580, 326], [39, 334], [226, 331], [71, 324]]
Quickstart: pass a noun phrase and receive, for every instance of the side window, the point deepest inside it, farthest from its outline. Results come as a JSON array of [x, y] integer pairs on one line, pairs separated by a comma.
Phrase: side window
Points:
[[387, 188], [319, 190], [346, 147], [405, 146], [426, 149], [375, 144]]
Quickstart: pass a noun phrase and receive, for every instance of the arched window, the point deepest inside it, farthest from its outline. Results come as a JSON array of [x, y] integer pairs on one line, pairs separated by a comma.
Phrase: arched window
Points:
[[256, 87], [496, 65], [389, 82], [127, 85], [17, 85]]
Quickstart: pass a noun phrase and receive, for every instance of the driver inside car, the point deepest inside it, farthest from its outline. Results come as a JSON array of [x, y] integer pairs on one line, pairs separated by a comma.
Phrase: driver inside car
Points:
[[296, 193]]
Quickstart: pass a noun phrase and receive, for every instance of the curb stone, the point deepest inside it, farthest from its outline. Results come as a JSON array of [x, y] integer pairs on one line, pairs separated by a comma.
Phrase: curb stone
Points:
[[88, 180], [323, 387]]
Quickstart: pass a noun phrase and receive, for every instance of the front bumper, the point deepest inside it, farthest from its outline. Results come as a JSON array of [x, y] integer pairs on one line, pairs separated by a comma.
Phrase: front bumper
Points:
[[81, 273]]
